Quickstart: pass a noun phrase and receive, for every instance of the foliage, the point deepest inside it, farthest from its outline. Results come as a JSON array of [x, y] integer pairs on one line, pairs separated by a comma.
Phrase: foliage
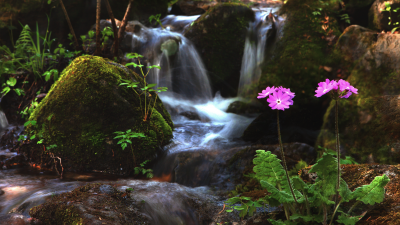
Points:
[[389, 9], [245, 206], [125, 139], [148, 172], [106, 33], [348, 159], [316, 196], [11, 82], [48, 74], [147, 87], [157, 19]]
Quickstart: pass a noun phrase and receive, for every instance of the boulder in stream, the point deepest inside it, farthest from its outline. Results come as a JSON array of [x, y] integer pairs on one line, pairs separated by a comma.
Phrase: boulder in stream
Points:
[[86, 106], [219, 36]]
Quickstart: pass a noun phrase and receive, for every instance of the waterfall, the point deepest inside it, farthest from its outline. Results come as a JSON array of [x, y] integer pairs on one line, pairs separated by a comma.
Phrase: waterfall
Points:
[[254, 50], [3, 121], [182, 70]]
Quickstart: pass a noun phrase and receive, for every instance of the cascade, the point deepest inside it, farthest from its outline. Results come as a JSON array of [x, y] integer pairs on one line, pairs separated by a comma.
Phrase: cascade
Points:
[[259, 31]]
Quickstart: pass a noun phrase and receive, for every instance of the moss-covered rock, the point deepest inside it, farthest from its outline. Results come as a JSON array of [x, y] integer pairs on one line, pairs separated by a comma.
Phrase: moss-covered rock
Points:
[[219, 36], [304, 56], [368, 122], [86, 106]]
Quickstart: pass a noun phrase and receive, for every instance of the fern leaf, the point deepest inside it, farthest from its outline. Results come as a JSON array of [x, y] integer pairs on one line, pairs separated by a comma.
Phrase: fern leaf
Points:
[[373, 192], [268, 168]]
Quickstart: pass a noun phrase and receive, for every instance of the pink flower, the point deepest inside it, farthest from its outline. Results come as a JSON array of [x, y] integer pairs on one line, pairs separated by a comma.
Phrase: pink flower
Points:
[[342, 88], [325, 87], [280, 100], [266, 92]]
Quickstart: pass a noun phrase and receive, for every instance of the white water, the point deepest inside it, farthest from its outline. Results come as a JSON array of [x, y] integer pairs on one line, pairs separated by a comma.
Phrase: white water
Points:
[[182, 70], [254, 49]]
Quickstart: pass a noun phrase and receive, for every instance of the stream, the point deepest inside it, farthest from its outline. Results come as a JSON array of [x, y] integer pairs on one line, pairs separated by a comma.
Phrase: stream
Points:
[[205, 141]]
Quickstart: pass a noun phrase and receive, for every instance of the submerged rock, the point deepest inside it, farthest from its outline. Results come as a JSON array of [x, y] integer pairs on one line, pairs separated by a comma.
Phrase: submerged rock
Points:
[[86, 106]]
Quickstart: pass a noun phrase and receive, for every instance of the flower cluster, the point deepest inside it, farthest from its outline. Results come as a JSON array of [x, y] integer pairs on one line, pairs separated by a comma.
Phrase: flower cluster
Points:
[[279, 97], [341, 87]]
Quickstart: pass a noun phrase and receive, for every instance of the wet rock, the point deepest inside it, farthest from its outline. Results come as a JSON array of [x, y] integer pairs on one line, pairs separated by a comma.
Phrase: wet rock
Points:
[[186, 7], [96, 108], [245, 108], [107, 189], [219, 35], [379, 19], [83, 205]]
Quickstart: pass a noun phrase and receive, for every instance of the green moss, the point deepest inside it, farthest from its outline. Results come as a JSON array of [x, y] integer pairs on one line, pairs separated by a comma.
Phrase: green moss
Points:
[[219, 35], [367, 121], [88, 106], [302, 52]]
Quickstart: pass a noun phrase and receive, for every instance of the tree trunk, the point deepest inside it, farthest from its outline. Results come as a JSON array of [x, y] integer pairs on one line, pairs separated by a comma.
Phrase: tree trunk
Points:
[[124, 22], [98, 50], [70, 26], [115, 44]]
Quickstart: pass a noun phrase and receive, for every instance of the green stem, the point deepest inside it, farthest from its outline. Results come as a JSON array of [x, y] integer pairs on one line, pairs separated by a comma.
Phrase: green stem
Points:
[[153, 105], [133, 154], [283, 157], [307, 203], [351, 209], [334, 212], [337, 150]]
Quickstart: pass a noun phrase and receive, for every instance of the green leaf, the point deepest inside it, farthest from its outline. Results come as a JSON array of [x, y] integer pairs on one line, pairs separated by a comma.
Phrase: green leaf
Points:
[[268, 168], [19, 91], [394, 29], [5, 90], [347, 219], [150, 85], [154, 66], [281, 196], [11, 81], [40, 141], [373, 192], [32, 137], [344, 191]]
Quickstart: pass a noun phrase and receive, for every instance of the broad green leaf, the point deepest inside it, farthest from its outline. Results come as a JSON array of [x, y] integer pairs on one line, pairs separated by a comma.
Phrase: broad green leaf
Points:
[[150, 85], [373, 192], [394, 29], [19, 91], [326, 169], [32, 137], [11, 81]]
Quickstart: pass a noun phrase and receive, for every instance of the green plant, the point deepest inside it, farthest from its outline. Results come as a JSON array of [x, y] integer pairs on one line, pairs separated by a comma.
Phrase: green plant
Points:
[[36, 55], [29, 109], [146, 111], [125, 139], [388, 8], [157, 19], [105, 34], [313, 200], [148, 172], [11, 82], [348, 159], [244, 204], [299, 165], [91, 34], [48, 74], [345, 17]]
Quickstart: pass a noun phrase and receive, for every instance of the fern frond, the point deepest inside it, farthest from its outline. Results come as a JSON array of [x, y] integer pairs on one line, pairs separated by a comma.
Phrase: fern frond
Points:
[[24, 43]]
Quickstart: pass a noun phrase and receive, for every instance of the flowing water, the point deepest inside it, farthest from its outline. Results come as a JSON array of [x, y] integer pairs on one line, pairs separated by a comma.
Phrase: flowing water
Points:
[[266, 28], [207, 140]]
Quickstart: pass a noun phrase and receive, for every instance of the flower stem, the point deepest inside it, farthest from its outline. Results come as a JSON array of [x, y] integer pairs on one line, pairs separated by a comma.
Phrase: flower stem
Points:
[[283, 157], [337, 151]]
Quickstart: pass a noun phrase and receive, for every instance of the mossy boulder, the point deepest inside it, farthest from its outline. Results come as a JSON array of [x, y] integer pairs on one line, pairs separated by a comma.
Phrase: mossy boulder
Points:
[[219, 36], [303, 57], [86, 106], [368, 122]]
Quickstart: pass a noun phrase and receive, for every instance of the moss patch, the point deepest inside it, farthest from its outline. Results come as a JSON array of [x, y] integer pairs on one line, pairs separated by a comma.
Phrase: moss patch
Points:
[[86, 106], [219, 36]]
